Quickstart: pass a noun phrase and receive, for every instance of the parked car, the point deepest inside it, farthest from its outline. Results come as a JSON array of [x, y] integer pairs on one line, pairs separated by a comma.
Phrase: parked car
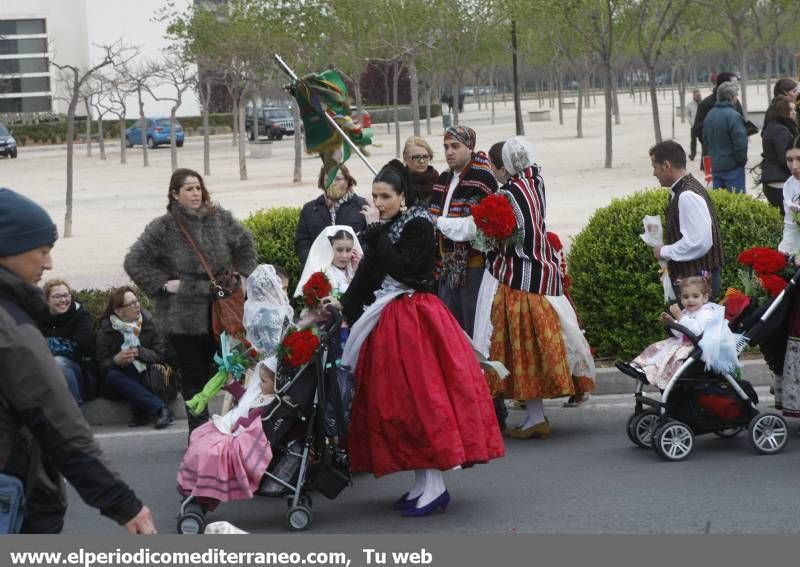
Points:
[[274, 122], [158, 130], [361, 116], [8, 145]]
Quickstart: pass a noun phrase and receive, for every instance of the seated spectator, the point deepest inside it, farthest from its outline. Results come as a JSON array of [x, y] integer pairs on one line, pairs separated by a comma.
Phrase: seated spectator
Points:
[[68, 330], [127, 343]]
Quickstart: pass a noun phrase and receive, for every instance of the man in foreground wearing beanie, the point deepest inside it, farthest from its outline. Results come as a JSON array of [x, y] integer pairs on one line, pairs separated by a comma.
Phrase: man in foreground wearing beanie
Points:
[[40, 423]]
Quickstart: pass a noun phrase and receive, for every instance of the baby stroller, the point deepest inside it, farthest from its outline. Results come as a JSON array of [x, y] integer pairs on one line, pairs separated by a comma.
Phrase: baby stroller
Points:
[[304, 423], [696, 401]]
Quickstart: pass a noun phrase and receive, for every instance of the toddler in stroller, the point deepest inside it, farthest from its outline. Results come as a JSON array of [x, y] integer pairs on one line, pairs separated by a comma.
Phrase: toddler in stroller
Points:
[[701, 395]]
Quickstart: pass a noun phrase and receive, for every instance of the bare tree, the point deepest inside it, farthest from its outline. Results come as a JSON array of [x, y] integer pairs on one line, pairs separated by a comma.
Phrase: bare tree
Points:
[[115, 103], [175, 72], [139, 78], [74, 78], [100, 104]]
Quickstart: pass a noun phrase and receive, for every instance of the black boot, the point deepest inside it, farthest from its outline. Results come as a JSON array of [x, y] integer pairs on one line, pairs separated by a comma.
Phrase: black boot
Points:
[[501, 411], [163, 418]]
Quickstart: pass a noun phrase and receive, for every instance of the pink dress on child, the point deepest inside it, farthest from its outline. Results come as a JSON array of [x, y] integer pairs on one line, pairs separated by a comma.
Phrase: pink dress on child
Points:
[[226, 466], [661, 360]]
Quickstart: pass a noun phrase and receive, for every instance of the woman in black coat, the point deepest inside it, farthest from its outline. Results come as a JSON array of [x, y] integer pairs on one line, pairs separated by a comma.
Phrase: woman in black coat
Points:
[[68, 329], [337, 205], [777, 137], [128, 342]]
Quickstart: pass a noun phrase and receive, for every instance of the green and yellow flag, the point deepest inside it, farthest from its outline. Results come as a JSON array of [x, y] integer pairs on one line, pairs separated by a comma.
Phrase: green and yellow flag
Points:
[[324, 93]]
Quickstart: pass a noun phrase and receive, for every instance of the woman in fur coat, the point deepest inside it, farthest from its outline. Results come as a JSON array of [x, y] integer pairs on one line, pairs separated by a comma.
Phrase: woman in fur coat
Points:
[[166, 267]]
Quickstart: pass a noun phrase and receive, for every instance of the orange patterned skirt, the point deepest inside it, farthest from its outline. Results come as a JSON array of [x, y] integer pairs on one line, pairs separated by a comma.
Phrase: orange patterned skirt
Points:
[[527, 339]]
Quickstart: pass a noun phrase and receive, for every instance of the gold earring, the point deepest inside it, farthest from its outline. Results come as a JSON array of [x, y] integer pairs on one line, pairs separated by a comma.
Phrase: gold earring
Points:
[[403, 207]]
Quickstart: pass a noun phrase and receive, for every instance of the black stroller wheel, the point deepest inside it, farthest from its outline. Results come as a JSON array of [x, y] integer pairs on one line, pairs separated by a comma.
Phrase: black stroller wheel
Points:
[[673, 440], [640, 428], [768, 433], [298, 518], [191, 523]]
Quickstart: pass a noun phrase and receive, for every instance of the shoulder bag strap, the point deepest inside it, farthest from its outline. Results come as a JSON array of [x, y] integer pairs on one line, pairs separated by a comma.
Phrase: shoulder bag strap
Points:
[[195, 248]]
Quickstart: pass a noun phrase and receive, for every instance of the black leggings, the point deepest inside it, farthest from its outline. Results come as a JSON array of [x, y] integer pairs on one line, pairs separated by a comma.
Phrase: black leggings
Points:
[[195, 357]]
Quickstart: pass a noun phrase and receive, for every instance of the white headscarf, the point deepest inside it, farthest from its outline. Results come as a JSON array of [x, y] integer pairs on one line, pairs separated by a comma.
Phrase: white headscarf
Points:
[[250, 399], [321, 255], [267, 310], [517, 154]]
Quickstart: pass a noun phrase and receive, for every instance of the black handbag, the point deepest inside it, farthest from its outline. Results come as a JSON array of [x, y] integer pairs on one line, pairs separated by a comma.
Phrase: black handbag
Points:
[[160, 379]]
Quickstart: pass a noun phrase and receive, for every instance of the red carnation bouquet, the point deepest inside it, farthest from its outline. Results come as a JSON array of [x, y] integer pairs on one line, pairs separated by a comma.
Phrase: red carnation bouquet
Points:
[[496, 223], [298, 347], [316, 288], [759, 278]]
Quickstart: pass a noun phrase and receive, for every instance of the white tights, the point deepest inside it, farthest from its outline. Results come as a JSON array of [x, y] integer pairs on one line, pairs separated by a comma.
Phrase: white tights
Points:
[[535, 415], [428, 485]]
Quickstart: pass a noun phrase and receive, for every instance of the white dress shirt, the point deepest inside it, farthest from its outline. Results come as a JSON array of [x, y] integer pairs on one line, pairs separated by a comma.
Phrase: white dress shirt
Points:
[[695, 222], [461, 229]]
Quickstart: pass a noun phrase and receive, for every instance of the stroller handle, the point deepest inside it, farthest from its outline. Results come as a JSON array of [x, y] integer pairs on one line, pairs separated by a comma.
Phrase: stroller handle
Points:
[[694, 339], [335, 321]]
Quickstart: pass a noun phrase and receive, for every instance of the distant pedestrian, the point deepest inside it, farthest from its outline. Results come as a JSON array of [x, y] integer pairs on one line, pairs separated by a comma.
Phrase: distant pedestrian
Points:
[[691, 111], [725, 140], [708, 103]]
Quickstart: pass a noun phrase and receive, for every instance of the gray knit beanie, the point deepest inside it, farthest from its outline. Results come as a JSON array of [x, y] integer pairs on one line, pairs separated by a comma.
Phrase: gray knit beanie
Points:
[[24, 225]]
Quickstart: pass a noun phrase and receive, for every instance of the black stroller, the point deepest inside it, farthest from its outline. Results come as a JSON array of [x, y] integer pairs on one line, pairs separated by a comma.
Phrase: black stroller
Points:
[[305, 423], [696, 401]]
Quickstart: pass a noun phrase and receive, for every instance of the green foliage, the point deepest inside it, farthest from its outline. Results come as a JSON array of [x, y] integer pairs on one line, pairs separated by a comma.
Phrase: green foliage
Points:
[[615, 281], [56, 132], [273, 230]]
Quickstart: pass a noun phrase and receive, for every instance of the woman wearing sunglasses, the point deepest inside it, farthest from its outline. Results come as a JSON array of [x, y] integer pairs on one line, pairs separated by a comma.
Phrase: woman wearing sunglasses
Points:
[[417, 155]]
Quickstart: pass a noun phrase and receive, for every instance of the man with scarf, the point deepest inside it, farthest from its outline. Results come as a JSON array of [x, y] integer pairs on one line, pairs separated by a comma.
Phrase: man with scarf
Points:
[[468, 180]]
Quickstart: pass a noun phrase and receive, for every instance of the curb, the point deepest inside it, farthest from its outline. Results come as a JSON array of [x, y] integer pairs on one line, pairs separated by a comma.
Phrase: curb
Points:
[[609, 381]]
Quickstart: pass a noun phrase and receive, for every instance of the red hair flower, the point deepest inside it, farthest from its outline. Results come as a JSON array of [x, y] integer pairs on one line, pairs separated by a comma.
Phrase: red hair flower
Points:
[[298, 348], [316, 288]]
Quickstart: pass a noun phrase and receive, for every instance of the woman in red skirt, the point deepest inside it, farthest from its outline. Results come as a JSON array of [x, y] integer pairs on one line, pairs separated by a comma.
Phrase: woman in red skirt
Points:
[[421, 402]]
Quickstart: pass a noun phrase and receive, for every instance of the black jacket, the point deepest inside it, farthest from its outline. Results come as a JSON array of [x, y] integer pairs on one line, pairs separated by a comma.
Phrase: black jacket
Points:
[[315, 216], [109, 343], [776, 137], [410, 261], [35, 401], [703, 109], [75, 325]]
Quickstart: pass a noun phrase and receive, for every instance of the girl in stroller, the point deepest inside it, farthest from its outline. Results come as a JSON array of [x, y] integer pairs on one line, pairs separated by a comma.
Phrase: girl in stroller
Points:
[[661, 360], [228, 455]]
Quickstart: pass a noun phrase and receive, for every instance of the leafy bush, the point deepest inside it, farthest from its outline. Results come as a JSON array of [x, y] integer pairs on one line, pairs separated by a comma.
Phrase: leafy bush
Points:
[[615, 283], [273, 230]]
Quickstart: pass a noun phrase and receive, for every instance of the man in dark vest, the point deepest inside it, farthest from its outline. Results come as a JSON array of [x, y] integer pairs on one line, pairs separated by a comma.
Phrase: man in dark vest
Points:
[[693, 243]]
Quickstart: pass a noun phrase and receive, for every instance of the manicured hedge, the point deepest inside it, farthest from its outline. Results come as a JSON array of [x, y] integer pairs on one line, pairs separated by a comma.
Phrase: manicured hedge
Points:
[[615, 282], [274, 230]]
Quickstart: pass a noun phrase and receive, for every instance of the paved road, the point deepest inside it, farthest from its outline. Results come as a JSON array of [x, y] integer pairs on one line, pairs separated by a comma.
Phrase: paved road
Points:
[[587, 478]]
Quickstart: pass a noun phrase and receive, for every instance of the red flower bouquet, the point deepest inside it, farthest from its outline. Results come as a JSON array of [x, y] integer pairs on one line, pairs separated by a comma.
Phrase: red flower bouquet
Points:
[[773, 284], [495, 221], [316, 288], [763, 260], [494, 217], [298, 347]]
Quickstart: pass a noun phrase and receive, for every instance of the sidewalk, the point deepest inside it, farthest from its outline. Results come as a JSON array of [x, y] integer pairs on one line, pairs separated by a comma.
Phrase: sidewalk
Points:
[[609, 381]]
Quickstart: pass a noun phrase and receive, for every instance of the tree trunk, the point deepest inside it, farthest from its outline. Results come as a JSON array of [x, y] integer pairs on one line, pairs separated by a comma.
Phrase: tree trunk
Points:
[[70, 148], [520, 126], [560, 86], [609, 106], [428, 110], [143, 130], [235, 139], [88, 127], [651, 80], [206, 136], [454, 90], [413, 79], [768, 76], [395, 88], [617, 118], [173, 141], [386, 101], [100, 141], [242, 142], [492, 91], [742, 53], [682, 93], [297, 176], [123, 146], [581, 81]]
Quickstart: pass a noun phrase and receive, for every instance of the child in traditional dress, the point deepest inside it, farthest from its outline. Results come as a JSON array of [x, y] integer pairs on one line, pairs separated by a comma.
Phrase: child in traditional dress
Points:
[[661, 360], [228, 456], [336, 253]]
